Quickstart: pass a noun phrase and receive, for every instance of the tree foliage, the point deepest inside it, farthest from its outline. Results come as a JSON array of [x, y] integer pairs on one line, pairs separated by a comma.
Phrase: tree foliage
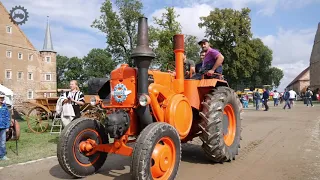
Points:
[[162, 34], [120, 29], [97, 63], [247, 60], [192, 48], [276, 75]]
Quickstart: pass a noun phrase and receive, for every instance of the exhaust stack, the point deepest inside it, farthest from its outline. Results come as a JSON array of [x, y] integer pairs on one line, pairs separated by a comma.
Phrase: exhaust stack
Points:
[[178, 49], [143, 55]]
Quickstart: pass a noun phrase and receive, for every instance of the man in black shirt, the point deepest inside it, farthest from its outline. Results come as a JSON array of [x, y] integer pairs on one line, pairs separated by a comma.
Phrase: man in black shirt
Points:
[[199, 65], [189, 67]]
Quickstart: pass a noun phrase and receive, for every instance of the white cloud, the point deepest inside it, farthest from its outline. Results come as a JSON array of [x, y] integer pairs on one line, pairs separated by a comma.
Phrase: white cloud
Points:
[[189, 18], [291, 51], [71, 13], [70, 23]]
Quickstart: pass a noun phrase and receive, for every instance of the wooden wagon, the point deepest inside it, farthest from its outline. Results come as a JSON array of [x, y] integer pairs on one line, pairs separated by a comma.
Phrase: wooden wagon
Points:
[[44, 111]]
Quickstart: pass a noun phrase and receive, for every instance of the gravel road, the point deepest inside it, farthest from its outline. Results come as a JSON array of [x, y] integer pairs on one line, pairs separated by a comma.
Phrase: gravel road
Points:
[[277, 145]]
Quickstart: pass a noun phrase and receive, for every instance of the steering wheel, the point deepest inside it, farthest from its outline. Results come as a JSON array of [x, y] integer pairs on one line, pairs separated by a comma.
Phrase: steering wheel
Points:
[[170, 67]]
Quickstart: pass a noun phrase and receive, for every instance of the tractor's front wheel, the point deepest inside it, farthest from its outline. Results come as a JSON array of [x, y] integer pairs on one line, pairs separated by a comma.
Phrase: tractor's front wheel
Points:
[[75, 143], [221, 124], [157, 153]]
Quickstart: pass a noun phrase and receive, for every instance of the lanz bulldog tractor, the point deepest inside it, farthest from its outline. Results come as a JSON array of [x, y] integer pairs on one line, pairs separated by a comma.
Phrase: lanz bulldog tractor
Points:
[[158, 111]]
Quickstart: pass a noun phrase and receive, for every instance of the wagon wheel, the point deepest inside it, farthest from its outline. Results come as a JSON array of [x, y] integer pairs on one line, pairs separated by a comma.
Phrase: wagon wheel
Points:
[[38, 120]]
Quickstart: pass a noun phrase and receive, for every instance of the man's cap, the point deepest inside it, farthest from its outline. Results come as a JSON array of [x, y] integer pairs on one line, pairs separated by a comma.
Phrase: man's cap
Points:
[[2, 96], [202, 41]]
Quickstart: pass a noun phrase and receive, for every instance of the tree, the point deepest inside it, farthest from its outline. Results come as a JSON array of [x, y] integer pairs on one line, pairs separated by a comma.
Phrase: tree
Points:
[[98, 63], [229, 31], [192, 48], [61, 69], [120, 29], [75, 71], [162, 35], [276, 75], [262, 56]]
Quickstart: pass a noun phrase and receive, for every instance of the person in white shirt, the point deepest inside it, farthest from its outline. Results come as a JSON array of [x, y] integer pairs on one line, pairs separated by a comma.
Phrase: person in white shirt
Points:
[[292, 97], [276, 97]]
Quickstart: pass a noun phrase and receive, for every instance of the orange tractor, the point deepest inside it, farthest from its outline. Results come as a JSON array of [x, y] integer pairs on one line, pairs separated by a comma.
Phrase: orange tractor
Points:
[[156, 110]]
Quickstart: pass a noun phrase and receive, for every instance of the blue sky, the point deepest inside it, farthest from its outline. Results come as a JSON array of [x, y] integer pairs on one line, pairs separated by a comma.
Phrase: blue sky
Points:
[[288, 27]]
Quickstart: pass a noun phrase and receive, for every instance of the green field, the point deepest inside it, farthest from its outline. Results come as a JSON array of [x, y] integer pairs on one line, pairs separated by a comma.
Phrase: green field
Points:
[[30, 146]]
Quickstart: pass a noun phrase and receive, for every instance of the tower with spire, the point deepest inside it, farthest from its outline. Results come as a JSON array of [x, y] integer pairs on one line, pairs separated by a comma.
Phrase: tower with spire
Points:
[[48, 58]]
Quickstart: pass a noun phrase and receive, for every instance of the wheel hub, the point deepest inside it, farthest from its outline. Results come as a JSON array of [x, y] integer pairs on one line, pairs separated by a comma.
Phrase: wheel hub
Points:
[[229, 125], [85, 146], [162, 159]]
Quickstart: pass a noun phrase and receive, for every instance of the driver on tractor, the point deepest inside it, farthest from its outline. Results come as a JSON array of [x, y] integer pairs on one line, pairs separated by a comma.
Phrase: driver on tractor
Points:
[[212, 62]]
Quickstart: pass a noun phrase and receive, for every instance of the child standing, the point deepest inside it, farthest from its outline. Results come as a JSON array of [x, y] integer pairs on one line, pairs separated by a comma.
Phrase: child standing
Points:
[[4, 127]]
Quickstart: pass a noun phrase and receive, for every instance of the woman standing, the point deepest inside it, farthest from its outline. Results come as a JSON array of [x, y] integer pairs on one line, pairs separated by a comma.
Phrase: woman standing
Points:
[[75, 97]]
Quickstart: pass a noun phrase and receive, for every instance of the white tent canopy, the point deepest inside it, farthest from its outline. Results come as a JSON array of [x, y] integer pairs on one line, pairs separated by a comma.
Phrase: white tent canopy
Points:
[[9, 94]]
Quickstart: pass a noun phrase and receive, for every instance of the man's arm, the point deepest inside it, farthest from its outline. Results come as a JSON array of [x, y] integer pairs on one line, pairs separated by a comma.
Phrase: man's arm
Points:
[[219, 62], [192, 67]]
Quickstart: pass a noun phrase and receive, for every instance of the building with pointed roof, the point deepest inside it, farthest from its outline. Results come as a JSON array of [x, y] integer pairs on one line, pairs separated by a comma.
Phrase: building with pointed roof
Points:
[[27, 72], [301, 81], [315, 62]]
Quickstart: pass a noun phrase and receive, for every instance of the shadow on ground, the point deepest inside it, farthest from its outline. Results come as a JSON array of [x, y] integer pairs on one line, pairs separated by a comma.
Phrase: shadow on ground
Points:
[[118, 167]]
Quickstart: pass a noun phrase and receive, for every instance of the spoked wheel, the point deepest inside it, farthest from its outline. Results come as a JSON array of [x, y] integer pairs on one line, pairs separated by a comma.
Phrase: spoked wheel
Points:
[[157, 153], [221, 125], [75, 147], [38, 120]]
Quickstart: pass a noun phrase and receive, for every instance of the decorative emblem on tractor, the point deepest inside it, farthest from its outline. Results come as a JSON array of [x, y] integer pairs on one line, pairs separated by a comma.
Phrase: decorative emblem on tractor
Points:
[[120, 93], [19, 15]]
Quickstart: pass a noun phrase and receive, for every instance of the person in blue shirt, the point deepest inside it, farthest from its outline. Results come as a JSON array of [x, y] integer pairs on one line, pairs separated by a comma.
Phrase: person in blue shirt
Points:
[[4, 127], [286, 98], [265, 98]]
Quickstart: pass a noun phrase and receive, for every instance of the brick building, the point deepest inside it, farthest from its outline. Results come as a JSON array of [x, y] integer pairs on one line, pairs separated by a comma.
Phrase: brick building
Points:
[[301, 82], [315, 62], [27, 72]]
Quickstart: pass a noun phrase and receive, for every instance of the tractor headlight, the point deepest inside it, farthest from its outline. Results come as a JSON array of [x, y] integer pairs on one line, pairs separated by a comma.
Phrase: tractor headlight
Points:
[[93, 101], [144, 100]]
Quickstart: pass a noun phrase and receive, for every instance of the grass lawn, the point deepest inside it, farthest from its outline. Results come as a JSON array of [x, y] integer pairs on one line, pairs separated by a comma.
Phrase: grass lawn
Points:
[[30, 146]]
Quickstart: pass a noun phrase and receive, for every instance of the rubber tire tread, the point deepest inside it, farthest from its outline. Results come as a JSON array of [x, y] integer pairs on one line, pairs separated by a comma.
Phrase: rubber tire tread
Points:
[[212, 126], [150, 135], [65, 144]]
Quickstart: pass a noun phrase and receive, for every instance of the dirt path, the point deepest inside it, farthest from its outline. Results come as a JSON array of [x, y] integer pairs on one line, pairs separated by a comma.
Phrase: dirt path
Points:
[[278, 145]]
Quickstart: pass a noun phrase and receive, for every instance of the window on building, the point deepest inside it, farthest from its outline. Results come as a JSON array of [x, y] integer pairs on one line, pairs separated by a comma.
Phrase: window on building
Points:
[[30, 76], [8, 74], [48, 77], [20, 75], [48, 58], [9, 29], [30, 94], [9, 54], [20, 55], [30, 58]]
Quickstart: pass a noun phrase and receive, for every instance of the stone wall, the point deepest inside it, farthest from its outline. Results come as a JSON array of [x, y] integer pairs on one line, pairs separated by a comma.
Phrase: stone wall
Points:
[[315, 62]]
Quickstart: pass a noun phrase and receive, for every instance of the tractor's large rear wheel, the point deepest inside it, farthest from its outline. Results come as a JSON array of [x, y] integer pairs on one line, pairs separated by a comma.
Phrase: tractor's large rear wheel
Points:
[[221, 124], [157, 153], [75, 143]]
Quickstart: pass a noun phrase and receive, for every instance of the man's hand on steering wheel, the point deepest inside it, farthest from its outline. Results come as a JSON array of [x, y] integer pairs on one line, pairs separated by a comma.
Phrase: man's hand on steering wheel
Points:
[[210, 72]]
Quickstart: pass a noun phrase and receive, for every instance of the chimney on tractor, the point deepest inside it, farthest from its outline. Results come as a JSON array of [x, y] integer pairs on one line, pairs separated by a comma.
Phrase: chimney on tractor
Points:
[[143, 55], [178, 49]]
